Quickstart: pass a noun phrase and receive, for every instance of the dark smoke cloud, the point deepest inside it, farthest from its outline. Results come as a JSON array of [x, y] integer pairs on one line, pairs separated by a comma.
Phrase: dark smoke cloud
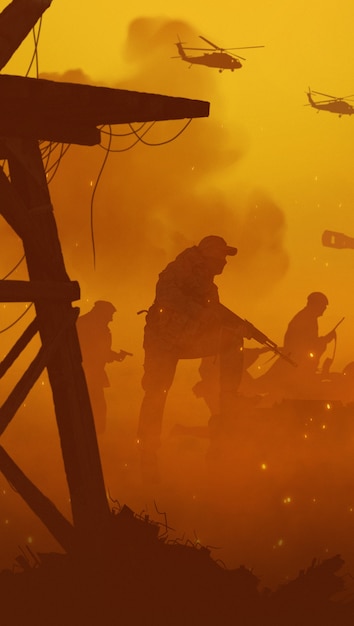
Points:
[[153, 201]]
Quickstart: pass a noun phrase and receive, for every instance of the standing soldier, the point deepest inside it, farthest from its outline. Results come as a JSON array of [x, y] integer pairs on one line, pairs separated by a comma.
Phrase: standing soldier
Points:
[[186, 322], [96, 349]]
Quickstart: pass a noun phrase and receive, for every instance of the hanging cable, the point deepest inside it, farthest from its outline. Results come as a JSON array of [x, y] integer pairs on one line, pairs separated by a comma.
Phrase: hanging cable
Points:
[[93, 197], [35, 52], [14, 268], [55, 166], [105, 132], [3, 330], [128, 147], [161, 143]]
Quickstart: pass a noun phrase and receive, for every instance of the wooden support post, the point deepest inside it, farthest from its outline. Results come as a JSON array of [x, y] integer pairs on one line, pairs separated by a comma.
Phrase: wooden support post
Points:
[[19, 346], [31, 375], [16, 21], [56, 523], [70, 394]]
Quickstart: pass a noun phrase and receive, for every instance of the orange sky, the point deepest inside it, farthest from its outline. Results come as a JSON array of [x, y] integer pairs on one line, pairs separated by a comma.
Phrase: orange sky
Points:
[[264, 171], [260, 148]]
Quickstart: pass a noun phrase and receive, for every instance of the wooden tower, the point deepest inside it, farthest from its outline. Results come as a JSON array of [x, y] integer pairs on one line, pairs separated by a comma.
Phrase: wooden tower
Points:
[[32, 110]]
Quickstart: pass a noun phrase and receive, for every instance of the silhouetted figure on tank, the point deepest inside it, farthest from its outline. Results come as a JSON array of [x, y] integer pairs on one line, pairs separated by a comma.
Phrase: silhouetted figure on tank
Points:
[[185, 322], [304, 345], [96, 349]]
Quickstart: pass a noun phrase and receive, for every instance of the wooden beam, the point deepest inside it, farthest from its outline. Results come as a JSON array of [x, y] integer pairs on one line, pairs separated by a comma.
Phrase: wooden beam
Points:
[[42, 359], [40, 109], [31, 291], [56, 523], [16, 21], [91, 515], [19, 346]]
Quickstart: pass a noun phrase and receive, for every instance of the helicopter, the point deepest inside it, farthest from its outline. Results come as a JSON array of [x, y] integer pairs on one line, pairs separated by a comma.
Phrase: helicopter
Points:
[[214, 56], [332, 104]]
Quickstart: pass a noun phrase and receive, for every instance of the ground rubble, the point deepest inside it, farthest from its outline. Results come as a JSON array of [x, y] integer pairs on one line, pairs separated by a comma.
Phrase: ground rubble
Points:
[[144, 577]]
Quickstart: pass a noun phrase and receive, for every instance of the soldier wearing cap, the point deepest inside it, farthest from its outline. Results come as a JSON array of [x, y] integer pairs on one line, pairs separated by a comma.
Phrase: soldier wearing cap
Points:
[[96, 350], [184, 323]]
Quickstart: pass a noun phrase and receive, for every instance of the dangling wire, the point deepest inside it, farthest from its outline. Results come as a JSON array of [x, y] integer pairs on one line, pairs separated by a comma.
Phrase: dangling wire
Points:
[[35, 52], [160, 143], [14, 268], [3, 330], [93, 196], [127, 135]]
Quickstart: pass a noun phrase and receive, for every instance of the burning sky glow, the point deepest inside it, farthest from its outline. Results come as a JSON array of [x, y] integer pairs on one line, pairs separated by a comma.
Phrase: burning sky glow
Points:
[[264, 171]]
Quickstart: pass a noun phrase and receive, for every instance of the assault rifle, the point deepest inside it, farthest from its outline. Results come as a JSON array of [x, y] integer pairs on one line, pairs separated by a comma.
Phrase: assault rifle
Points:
[[229, 318]]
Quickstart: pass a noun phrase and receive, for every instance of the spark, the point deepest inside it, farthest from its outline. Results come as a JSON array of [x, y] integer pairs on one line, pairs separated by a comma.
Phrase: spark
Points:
[[264, 466]]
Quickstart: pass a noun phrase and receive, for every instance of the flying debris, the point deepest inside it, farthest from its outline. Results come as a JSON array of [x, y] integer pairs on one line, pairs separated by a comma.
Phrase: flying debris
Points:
[[332, 239], [214, 56], [341, 106]]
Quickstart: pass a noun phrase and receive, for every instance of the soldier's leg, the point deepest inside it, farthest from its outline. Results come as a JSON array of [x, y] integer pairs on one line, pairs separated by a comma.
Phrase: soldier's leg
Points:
[[231, 368], [159, 371]]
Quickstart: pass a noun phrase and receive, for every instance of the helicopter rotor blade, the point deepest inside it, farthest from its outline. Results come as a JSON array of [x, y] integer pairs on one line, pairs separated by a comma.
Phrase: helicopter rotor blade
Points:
[[243, 47], [217, 51], [213, 45], [319, 93], [205, 49], [332, 98], [237, 56]]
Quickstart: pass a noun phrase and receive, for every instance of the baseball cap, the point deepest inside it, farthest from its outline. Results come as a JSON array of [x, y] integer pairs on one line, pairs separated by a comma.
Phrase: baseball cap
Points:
[[213, 245]]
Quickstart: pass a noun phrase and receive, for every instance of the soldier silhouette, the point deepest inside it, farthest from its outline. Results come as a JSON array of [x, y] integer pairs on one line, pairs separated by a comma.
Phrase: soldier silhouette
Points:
[[304, 345], [96, 349], [186, 322]]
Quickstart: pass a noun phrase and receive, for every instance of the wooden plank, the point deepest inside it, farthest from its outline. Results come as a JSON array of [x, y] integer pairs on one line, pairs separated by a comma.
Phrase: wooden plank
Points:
[[31, 375], [38, 107], [19, 346], [56, 523], [72, 405], [57, 131], [16, 21], [31, 291]]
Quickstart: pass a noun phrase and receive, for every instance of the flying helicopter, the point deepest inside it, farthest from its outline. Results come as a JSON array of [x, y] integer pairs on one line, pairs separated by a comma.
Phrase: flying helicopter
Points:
[[214, 56], [333, 104]]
